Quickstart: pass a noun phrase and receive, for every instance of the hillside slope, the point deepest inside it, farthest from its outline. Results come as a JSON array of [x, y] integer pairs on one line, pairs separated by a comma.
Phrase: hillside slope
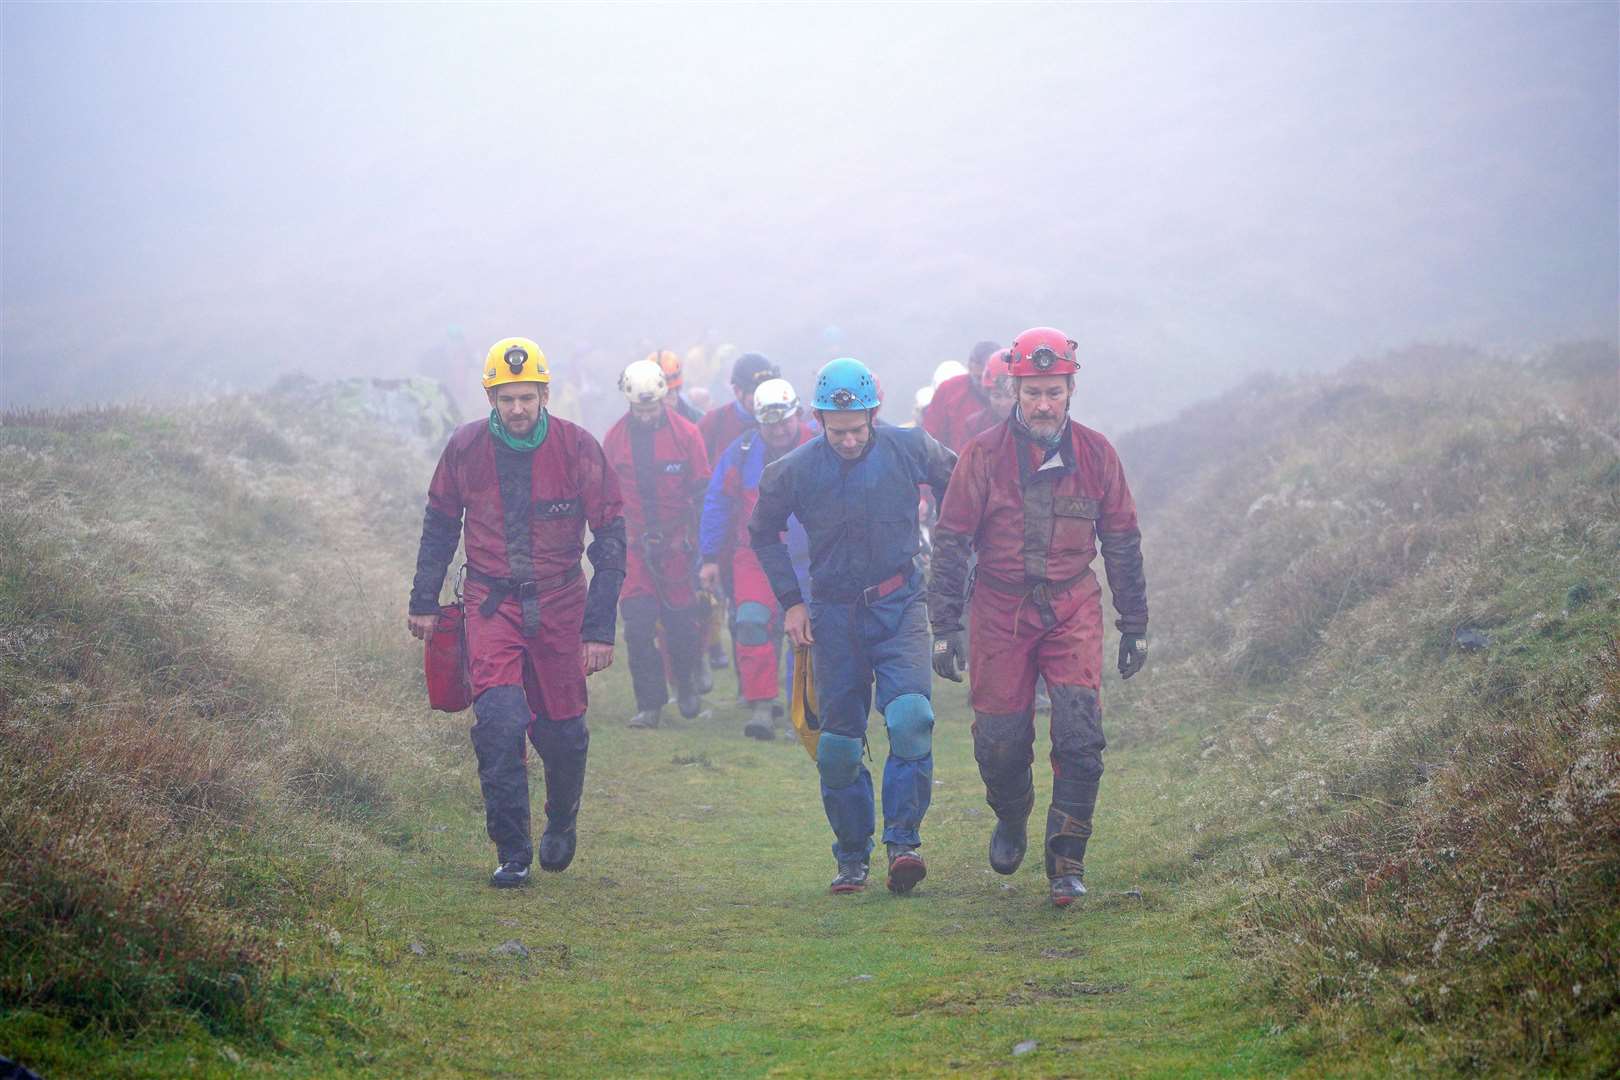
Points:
[[1386, 607], [1362, 810]]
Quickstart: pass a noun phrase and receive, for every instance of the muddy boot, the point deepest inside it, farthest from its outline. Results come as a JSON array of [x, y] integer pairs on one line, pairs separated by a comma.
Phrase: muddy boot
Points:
[[690, 704], [905, 868], [851, 877], [563, 749], [1008, 844], [761, 725], [1066, 889], [1068, 828], [509, 875], [647, 718]]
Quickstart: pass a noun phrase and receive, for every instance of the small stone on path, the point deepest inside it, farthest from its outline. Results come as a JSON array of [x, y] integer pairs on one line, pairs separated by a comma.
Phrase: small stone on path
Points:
[[1025, 1047], [417, 948], [511, 948]]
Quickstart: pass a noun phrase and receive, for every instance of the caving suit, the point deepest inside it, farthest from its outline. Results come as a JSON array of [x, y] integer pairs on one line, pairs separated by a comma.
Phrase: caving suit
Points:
[[1035, 516], [662, 470], [528, 605], [867, 616], [721, 426], [949, 415], [727, 506]]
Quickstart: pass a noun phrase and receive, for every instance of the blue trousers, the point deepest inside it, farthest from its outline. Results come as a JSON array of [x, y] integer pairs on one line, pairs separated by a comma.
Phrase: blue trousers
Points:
[[861, 649]]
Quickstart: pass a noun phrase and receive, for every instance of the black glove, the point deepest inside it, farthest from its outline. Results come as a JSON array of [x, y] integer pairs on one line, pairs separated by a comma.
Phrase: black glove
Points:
[[950, 653], [1132, 654]]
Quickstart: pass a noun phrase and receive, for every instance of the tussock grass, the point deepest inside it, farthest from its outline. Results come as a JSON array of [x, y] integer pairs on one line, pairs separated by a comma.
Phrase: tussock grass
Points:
[[1430, 832], [181, 605]]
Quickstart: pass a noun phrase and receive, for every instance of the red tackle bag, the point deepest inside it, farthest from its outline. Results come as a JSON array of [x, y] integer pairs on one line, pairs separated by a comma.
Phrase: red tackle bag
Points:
[[444, 662]]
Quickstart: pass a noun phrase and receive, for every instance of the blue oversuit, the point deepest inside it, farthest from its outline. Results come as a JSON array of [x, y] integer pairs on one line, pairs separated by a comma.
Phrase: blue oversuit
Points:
[[869, 617]]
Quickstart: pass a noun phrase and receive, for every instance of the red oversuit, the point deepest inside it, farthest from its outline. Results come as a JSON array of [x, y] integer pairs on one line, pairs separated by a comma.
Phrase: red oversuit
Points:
[[1036, 515]]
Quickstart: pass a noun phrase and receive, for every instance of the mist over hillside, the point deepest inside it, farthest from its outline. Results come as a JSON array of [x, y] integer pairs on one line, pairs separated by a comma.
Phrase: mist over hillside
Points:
[[1197, 194]]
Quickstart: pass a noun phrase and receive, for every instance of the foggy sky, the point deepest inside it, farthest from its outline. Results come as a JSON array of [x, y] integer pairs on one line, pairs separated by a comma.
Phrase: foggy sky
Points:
[[204, 196]]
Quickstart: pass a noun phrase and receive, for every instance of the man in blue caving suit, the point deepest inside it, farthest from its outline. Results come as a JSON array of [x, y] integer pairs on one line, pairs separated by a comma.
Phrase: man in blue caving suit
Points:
[[855, 490]]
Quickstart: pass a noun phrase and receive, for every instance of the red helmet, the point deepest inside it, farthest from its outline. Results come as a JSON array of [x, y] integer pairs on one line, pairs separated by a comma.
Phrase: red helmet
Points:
[[1042, 351], [995, 368]]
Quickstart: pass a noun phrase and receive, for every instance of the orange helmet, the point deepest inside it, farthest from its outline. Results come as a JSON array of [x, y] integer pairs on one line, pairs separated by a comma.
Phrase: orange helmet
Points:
[[670, 363]]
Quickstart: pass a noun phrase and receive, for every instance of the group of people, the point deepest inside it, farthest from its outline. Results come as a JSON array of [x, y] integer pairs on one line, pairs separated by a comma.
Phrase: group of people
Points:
[[809, 524]]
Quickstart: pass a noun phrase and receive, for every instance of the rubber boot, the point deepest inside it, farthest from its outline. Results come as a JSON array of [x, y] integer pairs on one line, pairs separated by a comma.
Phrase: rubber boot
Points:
[[564, 748], [1008, 843], [1068, 829], [761, 723]]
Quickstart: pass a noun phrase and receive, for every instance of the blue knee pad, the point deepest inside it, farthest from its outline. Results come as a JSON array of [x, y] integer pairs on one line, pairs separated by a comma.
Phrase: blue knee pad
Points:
[[911, 726], [838, 757], [753, 619]]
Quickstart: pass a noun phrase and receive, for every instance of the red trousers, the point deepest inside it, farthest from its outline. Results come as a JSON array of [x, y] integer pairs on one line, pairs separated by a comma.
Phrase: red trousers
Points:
[[1008, 645], [759, 623], [548, 666]]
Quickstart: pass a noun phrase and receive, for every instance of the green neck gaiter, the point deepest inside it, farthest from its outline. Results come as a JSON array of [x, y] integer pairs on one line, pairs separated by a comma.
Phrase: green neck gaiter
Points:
[[534, 439]]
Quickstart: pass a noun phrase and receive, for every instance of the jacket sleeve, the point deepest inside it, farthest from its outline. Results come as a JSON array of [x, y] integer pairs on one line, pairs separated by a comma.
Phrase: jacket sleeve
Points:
[[714, 532], [938, 464], [960, 513], [936, 415], [765, 530], [441, 532], [1121, 542], [604, 512]]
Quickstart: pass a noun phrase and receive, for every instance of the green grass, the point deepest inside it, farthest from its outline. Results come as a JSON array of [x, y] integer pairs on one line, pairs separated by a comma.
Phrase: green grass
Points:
[[694, 936]]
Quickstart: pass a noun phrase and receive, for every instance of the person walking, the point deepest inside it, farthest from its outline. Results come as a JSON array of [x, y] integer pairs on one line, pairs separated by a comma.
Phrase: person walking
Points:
[[659, 459], [855, 490], [1035, 497], [524, 484]]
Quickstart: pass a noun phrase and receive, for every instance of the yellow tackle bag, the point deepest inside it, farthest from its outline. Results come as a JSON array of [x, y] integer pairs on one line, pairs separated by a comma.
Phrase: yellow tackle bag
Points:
[[802, 707]]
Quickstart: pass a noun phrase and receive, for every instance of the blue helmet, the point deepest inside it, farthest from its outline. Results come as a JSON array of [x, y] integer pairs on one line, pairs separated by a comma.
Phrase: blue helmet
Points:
[[845, 384]]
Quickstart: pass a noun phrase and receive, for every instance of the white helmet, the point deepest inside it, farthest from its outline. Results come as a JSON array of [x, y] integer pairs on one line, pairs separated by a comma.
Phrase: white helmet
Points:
[[925, 395], [775, 400], [643, 383], [948, 370]]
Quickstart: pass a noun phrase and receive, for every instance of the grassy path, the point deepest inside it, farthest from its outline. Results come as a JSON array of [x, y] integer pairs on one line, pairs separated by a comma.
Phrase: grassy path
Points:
[[694, 936]]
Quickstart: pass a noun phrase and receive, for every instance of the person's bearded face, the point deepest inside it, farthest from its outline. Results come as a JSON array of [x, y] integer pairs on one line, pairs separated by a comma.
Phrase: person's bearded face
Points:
[[1044, 402]]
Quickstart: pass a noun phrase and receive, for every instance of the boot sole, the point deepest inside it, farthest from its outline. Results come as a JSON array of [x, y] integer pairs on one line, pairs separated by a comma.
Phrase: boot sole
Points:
[[904, 875], [760, 732], [508, 884], [841, 889]]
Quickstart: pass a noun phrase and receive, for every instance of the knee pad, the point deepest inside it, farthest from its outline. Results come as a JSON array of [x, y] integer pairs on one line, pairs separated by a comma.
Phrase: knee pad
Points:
[[838, 758], [753, 623], [911, 726]]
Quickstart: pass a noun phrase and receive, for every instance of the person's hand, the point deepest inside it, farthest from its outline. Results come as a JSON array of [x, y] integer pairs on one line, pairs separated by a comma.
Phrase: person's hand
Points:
[[422, 626], [596, 656], [950, 654], [709, 577], [1132, 654], [797, 624]]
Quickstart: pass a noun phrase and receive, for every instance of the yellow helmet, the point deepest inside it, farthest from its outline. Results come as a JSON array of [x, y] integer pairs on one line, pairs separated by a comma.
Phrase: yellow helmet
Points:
[[515, 359]]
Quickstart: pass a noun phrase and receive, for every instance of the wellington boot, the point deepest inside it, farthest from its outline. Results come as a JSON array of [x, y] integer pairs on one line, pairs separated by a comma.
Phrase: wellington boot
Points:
[[557, 850], [1007, 845]]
